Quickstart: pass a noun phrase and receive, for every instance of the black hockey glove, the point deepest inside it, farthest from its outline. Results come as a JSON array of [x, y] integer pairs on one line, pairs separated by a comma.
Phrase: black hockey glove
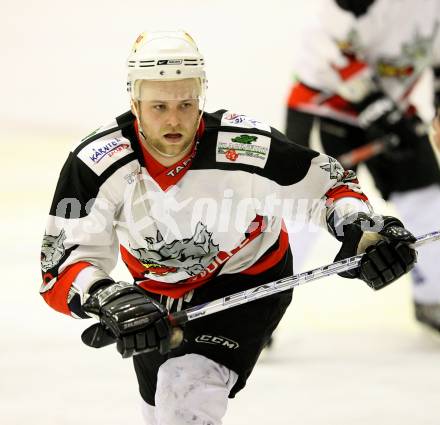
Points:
[[380, 117], [386, 243], [138, 323]]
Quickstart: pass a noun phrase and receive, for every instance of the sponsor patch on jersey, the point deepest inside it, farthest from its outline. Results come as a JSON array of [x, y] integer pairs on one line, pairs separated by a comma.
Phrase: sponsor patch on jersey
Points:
[[250, 149], [231, 119], [101, 153]]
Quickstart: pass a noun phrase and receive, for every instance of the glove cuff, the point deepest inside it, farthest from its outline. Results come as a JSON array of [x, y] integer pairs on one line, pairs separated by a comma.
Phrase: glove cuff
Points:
[[102, 292], [100, 284]]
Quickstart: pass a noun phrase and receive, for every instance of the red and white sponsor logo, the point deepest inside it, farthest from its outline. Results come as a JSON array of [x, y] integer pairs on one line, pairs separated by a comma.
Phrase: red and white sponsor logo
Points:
[[231, 154]]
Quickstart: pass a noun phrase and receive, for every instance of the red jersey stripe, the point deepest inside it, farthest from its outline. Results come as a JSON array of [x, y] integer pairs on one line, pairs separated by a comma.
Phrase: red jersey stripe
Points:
[[57, 296]]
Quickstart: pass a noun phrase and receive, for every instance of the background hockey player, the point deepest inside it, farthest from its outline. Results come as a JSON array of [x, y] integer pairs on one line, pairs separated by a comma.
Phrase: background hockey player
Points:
[[193, 201], [357, 64]]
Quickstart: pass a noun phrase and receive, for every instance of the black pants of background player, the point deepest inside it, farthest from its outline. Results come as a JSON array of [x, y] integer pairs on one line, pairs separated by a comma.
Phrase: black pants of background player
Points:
[[411, 181], [249, 325]]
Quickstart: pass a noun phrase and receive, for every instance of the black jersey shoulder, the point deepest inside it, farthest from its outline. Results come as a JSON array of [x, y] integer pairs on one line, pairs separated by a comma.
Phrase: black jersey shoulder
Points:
[[285, 163], [357, 7], [90, 164]]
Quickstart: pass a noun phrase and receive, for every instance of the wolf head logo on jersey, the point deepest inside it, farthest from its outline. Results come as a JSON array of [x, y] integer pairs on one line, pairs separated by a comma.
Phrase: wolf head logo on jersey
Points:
[[191, 255], [334, 168], [52, 250], [53, 255]]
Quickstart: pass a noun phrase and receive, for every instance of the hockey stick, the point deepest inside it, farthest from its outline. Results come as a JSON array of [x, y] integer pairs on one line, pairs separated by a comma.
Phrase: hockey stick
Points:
[[95, 336], [243, 297], [368, 151]]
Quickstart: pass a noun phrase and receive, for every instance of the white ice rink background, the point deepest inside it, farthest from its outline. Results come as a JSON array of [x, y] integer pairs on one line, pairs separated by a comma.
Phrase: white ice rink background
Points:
[[343, 354]]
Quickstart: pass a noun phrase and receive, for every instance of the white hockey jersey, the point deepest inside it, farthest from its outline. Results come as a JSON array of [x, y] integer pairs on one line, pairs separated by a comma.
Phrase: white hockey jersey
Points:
[[218, 210], [393, 41]]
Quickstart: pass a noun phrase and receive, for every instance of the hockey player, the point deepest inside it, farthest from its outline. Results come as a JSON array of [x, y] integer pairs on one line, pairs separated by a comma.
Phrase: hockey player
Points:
[[356, 68], [193, 200]]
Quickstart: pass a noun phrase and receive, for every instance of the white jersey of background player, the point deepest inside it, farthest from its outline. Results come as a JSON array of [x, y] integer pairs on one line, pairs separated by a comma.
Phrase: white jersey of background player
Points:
[[357, 65]]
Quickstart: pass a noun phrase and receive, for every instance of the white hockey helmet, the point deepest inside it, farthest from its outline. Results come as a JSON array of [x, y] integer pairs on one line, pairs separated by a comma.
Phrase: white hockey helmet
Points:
[[164, 55]]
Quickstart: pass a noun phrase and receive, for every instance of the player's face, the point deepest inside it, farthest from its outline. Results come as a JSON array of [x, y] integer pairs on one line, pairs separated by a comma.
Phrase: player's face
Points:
[[169, 113]]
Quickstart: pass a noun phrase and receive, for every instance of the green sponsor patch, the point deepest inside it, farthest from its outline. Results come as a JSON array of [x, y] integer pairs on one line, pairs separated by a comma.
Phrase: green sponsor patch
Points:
[[244, 138], [247, 149]]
